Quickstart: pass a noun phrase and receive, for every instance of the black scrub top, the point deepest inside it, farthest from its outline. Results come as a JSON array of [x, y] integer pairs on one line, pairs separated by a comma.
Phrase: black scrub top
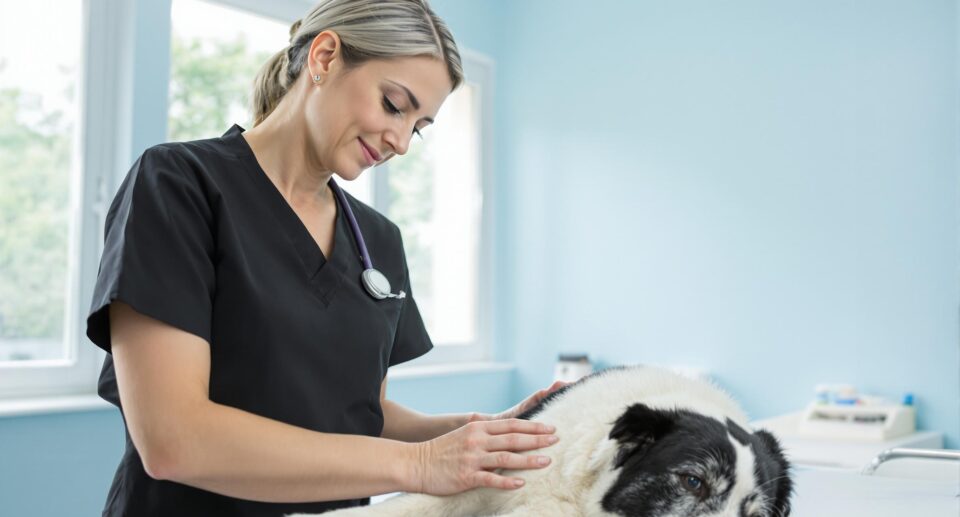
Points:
[[199, 237]]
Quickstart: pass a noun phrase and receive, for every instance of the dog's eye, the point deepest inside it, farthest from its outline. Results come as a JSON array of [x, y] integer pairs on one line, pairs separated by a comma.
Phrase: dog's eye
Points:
[[693, 484]]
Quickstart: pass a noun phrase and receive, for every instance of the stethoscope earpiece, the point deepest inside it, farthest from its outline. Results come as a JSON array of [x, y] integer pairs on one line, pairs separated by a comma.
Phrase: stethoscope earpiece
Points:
[[373, 281]]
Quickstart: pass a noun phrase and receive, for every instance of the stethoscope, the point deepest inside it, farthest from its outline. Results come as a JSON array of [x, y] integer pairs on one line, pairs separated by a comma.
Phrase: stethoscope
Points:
[[373, 281]]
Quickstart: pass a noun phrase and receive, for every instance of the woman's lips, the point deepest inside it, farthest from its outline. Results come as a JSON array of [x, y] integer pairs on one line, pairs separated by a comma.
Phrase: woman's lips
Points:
[[369, 154]]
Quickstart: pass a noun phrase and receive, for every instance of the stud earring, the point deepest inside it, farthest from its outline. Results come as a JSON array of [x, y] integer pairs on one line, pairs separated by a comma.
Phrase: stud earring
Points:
[[316, 78]]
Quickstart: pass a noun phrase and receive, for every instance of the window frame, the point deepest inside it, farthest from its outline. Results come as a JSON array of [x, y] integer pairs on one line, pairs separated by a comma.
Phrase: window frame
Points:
[[286, 11], [95, 154]]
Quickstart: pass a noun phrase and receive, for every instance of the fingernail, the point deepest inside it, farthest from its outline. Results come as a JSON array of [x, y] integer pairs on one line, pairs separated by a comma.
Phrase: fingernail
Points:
[[553, 439], [517, 482], [549, 428], [543, 460]]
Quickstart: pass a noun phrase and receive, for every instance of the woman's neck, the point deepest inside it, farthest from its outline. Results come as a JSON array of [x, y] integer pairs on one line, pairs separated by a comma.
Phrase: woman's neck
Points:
[[279, 144]]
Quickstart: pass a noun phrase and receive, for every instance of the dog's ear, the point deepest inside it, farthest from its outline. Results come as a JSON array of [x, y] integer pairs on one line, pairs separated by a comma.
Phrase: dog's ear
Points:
[[776, 467], [638, 428]]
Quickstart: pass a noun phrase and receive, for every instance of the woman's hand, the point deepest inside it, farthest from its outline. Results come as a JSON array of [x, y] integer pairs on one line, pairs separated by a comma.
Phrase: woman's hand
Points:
[[466, 458], [528, 403]]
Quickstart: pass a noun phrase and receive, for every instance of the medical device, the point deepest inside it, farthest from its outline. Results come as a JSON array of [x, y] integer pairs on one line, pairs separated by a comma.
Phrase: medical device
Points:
[[373, 281], [871, 422]]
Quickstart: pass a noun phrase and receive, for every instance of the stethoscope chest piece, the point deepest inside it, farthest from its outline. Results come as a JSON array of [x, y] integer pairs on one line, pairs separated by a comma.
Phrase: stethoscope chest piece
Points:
[[378, 286], [373, 281]]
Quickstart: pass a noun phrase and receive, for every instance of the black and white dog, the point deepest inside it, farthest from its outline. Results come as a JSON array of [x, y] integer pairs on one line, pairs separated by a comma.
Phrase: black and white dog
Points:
[[637, 442]]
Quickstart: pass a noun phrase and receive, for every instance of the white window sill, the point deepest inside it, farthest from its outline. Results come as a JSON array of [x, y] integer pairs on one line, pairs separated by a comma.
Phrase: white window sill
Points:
[[446, 369], [27, 406]]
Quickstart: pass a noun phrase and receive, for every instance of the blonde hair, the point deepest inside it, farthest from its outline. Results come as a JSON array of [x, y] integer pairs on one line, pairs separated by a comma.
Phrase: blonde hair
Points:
[[368, 29]]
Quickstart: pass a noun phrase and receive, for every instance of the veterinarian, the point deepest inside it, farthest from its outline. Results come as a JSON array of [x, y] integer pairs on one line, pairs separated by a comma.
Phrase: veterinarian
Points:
[[250, 308]]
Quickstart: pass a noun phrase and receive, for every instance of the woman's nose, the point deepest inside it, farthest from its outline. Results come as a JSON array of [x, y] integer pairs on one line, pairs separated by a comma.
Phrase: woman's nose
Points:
[[398, 143]]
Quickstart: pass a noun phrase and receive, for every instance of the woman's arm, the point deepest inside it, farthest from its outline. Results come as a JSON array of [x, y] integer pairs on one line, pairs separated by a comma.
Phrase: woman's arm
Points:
[[163, 376], [404, 424]]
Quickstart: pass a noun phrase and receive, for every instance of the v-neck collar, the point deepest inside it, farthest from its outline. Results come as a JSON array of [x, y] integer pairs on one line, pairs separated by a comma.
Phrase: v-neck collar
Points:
[[324, 273]]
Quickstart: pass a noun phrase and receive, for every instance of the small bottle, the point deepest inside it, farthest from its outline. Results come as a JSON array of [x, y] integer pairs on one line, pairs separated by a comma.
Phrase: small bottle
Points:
[[571, 367], [846, 395], [822, 394]]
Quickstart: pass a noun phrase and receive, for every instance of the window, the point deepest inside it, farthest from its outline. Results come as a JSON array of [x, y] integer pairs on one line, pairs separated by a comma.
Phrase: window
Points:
[[438, 195], [38, 178], [213, 66], [70, 126], [49, 175]]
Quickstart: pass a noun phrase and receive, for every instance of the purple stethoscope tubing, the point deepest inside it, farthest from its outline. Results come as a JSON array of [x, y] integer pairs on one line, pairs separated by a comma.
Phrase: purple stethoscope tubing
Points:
[[373, 281]]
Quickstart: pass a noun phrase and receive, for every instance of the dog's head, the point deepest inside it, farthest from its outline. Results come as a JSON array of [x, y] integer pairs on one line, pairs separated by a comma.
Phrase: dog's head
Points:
[[672, 463]]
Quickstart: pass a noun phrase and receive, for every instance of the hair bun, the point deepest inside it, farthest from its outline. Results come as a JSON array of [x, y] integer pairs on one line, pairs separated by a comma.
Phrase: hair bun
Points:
[[294, 28]]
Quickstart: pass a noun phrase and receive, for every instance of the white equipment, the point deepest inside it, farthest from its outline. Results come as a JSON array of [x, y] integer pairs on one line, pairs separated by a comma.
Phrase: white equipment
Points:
[[868, 422]]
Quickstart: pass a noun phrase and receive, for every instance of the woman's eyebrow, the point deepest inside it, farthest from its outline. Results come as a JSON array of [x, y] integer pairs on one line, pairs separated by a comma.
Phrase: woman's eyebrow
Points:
[[413, 98]]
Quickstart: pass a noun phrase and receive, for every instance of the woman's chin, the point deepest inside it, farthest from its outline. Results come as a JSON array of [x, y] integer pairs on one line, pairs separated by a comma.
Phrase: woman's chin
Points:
[[349, 173]]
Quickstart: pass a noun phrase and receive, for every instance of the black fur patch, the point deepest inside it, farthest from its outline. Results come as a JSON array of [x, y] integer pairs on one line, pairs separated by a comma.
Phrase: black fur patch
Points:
[[739, 433], [638, 428], [773, 471]]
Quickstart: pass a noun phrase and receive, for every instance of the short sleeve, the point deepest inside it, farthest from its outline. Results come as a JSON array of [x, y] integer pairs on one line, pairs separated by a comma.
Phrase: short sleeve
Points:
[[412, 339], [158, 249]]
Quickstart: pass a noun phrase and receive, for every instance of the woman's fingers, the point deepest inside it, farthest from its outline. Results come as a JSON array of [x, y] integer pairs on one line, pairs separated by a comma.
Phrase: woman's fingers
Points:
[[506, 437], [520, 442], [557, 385], [516, 425], [487, 479], [472, 455], [512, 461]]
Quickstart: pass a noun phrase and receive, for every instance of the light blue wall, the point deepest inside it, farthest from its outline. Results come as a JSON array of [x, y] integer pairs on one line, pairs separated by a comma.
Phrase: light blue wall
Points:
[[58, 465], [768, 190]]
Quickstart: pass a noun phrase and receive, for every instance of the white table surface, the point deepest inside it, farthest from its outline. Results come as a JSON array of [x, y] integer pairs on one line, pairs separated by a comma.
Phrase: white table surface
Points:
[[839, 493]]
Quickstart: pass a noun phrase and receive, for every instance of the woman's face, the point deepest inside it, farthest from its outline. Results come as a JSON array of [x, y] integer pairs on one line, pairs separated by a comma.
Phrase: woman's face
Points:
[[366, 115]]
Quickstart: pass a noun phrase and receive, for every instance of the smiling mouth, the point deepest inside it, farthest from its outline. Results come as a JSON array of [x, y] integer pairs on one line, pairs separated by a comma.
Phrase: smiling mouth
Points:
[[369, 153]]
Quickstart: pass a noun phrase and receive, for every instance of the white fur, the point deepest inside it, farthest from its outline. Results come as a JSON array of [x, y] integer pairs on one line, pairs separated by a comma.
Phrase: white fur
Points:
[[580, 473], [746, 484]]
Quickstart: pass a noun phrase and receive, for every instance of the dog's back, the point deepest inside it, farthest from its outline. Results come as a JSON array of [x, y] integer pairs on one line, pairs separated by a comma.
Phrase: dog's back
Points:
[[633, 441], [605, 394]]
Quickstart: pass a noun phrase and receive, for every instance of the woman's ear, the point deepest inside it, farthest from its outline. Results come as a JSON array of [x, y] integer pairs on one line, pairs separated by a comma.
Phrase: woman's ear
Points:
[[324, 56]]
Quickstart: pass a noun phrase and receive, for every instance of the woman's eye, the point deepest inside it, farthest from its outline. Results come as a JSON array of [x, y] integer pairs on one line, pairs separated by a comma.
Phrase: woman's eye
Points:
[[390, 106], [394, 110]]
